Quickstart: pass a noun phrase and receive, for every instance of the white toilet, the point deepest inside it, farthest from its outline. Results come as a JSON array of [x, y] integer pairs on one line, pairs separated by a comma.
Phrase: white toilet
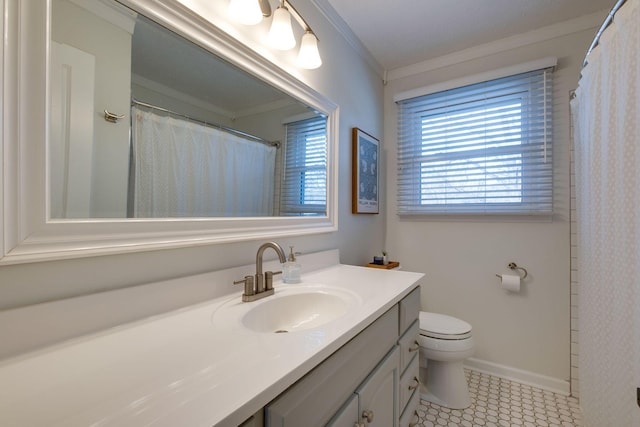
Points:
[[444, 344]]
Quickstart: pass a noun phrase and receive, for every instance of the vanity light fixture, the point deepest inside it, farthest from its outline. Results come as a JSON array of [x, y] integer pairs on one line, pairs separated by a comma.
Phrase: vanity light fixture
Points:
[[247, 12], [281, 33], [308, 56], [251, 12]]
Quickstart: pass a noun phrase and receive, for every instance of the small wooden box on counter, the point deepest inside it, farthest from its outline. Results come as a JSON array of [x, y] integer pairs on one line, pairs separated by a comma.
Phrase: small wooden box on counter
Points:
[[390, 266]]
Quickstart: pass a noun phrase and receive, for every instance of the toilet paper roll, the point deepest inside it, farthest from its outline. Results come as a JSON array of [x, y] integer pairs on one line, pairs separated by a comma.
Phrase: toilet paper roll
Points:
[[511, 282]]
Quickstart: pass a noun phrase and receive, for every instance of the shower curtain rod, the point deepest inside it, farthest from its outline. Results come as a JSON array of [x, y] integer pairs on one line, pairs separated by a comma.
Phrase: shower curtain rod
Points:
[[605, 24], [213, 125]]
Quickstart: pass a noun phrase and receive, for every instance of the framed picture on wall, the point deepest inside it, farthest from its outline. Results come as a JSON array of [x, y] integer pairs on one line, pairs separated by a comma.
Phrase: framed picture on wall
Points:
[[365, 173]]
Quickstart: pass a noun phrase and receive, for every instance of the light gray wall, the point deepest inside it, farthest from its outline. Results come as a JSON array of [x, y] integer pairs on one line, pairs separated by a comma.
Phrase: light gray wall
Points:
[[460, 257], [347, 80]]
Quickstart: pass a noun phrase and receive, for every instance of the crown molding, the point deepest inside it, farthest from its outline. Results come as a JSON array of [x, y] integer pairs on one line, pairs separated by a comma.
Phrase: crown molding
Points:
[[550, 32], [343, 29]]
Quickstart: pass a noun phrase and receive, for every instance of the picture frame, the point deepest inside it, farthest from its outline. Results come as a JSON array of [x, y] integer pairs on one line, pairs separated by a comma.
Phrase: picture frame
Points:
[[365, 173]]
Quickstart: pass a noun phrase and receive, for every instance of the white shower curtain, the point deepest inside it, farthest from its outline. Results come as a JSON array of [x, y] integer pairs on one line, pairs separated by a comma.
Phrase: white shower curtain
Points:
[[185, 169], [606, 112]]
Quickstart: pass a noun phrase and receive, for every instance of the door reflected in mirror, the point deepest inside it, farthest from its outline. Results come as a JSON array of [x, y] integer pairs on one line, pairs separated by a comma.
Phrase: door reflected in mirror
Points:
[[147, 124]]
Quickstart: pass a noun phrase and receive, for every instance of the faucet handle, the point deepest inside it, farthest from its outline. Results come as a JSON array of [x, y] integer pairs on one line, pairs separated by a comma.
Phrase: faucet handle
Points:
[[248, 285], [268, 279]]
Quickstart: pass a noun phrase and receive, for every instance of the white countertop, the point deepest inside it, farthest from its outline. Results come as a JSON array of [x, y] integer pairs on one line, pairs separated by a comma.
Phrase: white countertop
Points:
[[185, 368]]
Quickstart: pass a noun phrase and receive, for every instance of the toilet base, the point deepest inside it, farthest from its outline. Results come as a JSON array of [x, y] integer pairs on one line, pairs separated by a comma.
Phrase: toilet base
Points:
[[445, 384]]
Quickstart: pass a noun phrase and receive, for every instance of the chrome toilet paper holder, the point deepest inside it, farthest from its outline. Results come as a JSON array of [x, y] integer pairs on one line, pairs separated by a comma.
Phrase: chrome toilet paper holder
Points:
[[514, 266]]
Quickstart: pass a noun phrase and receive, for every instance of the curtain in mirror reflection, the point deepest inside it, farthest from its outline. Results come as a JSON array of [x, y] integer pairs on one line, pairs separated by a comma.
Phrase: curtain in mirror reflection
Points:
[[185, 169]]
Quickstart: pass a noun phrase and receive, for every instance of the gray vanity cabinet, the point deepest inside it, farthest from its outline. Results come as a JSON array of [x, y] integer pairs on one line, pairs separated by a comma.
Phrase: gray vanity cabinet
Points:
[[348, 415], [375, 402], [378, 395], [359, 384], [409, 388]]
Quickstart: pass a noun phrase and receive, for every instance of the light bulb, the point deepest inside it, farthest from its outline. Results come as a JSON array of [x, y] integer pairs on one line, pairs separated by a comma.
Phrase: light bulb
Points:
[[281, 34], [309, 56], [247, 12]]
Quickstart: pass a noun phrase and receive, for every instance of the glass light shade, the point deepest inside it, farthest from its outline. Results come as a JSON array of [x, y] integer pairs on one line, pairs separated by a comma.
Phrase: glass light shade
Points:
[[281, 34], [309, 56], [247, 12]]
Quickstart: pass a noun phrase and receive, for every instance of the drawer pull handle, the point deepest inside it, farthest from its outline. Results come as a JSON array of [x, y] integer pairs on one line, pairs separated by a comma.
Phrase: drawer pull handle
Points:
[[415, 384], [415, 348], [367, 415]]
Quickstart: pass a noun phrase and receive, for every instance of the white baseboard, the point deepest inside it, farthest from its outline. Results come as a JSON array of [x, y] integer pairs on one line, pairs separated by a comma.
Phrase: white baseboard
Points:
[[524, 377]]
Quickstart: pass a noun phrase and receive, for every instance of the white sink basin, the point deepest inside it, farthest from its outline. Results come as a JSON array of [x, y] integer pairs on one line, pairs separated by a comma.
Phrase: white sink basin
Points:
[[291, 309], [295, 312]]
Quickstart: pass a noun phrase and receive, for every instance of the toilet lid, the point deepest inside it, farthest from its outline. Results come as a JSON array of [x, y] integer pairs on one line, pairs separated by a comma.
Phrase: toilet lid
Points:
[[442, 326]]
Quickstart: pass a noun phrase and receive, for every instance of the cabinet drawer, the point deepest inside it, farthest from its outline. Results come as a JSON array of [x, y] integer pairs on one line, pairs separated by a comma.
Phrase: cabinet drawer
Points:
[[409, 345], [409, 309], [409, 382], [409, 418]]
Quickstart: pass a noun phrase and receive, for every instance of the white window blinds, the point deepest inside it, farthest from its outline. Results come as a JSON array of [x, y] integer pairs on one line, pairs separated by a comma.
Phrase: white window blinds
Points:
[[483, 148], [304, 189]]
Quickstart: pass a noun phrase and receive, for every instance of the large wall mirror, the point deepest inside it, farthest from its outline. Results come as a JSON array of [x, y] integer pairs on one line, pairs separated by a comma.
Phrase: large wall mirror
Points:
[[160, 130], [147, 124]]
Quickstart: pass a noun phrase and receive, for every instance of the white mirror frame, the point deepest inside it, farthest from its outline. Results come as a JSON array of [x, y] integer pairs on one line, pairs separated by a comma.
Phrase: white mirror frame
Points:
[[26, 232]]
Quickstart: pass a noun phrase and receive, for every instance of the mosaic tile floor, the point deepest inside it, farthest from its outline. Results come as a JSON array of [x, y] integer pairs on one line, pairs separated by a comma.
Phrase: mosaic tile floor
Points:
[[496, 402]]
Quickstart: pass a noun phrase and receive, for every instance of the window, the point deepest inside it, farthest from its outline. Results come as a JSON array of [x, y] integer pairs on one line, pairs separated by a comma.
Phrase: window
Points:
[[483, 148], [304, 190]]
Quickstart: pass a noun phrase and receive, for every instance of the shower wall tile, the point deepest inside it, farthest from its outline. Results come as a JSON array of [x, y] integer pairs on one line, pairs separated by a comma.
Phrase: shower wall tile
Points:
[[575, 287]]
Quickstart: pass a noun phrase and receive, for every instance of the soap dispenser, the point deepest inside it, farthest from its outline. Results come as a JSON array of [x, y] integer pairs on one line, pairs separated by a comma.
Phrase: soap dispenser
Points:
[[291, 269]]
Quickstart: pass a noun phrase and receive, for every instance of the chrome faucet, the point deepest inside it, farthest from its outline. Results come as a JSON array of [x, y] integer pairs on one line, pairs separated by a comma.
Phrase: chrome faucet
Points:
[[261, 285]]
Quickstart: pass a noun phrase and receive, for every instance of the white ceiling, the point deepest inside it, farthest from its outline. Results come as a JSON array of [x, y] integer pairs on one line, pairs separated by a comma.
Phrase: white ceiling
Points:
[[163, 57], [399, 33]]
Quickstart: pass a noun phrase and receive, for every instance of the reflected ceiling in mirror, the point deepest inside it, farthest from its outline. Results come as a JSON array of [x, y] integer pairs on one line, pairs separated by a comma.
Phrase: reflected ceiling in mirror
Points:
[[190, 136]]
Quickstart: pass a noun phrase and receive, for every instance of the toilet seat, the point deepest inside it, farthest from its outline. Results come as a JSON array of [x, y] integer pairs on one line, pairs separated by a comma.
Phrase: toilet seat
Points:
[[441, 326]]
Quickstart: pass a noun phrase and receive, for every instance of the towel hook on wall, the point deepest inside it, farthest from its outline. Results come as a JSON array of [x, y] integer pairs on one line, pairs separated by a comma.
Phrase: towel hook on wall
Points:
[[111, 117]]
